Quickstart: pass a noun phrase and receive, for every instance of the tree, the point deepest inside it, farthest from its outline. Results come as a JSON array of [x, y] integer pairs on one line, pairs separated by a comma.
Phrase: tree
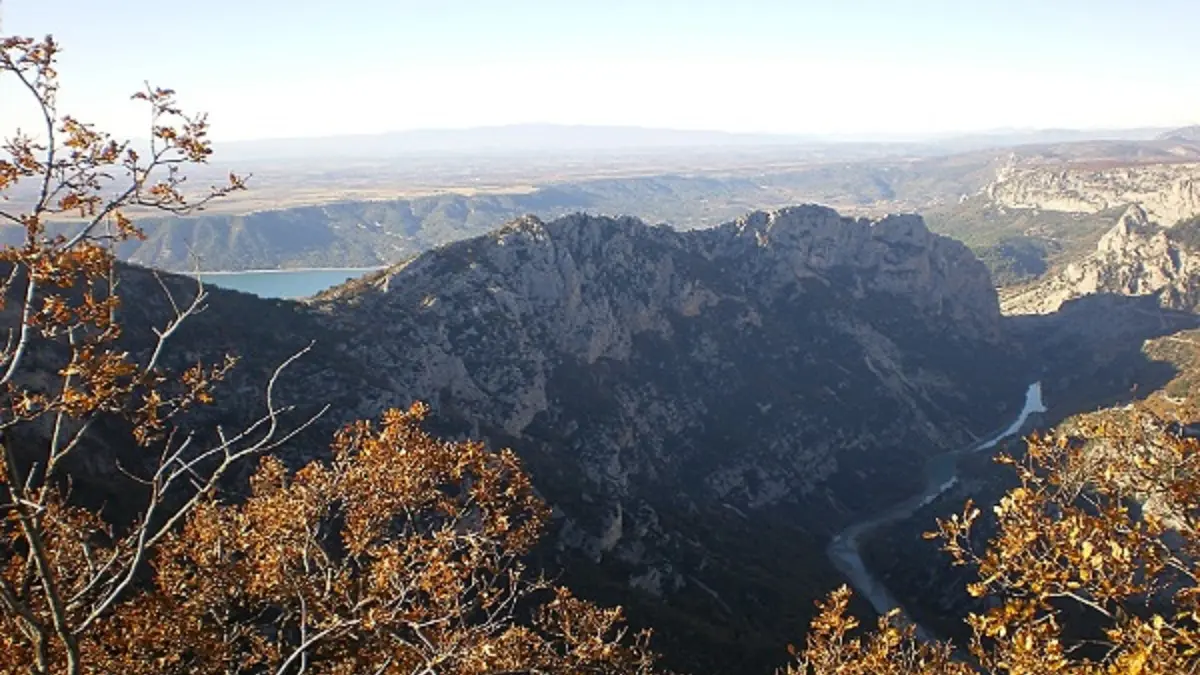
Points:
[[1094, 567], [402, 554]]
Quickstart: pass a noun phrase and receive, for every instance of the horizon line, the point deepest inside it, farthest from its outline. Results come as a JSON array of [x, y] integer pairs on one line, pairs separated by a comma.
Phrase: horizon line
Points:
[[842, 136]]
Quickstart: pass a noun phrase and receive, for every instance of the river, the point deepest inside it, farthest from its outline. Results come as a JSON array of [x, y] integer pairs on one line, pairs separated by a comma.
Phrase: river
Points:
[[941, 473]]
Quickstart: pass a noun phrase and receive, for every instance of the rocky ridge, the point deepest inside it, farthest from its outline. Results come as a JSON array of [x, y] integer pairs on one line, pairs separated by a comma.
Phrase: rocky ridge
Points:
[[679, 394]]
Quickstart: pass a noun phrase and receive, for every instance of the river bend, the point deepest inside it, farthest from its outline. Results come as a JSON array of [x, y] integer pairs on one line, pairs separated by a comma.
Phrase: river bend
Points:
[[941, 474]]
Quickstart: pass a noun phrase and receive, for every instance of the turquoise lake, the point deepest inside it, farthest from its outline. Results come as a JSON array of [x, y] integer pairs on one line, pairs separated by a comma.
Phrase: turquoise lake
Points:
[[282, 283]]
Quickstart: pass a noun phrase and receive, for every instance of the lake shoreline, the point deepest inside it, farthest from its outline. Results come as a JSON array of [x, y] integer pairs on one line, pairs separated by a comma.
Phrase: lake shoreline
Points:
[[204, 273], [284, 284]]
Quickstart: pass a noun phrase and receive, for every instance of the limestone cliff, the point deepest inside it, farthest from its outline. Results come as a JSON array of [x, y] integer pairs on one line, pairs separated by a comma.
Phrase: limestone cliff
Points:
[[658, 329], [1134, 258], [1167, 192], [679, 395]]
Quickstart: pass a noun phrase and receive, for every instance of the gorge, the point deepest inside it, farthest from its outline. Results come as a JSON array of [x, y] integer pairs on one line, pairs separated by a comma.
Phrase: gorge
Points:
[[941, 474], [703, 410]]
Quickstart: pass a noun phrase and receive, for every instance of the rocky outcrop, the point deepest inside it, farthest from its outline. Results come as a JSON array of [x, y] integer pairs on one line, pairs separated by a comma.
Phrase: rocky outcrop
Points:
[[896, 255], [1167, 192], [1134, 258]]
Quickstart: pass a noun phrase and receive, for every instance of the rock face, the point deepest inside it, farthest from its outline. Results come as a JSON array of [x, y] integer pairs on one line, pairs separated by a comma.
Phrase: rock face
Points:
[[680, 395], [509, 329], [1134, 258], [1167, 193]]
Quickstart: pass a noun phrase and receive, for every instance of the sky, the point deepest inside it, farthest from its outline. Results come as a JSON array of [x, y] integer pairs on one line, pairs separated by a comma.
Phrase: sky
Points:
[[296, 68]]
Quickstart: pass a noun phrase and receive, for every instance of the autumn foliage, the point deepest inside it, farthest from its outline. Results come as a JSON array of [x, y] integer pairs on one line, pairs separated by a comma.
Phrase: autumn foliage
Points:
[[399, 554], [1094, 567]]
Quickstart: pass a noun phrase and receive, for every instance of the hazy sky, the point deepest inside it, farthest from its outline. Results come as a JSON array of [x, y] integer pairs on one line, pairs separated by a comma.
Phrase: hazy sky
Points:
[[278, 68]]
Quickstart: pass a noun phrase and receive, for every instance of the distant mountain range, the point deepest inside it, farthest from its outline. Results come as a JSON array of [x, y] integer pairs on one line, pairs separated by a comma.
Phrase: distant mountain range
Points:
[[1189, 134], [519, 138], [1026, 221], [557, 139], [361, 233]]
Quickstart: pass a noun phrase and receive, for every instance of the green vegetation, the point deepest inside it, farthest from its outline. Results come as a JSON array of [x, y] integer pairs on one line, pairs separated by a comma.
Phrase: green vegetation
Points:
[[1019, 245], [1018, 260], [1186, 233]]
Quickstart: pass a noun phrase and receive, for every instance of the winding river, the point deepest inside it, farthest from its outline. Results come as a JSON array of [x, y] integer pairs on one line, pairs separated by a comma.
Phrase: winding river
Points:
[[941, 473]]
